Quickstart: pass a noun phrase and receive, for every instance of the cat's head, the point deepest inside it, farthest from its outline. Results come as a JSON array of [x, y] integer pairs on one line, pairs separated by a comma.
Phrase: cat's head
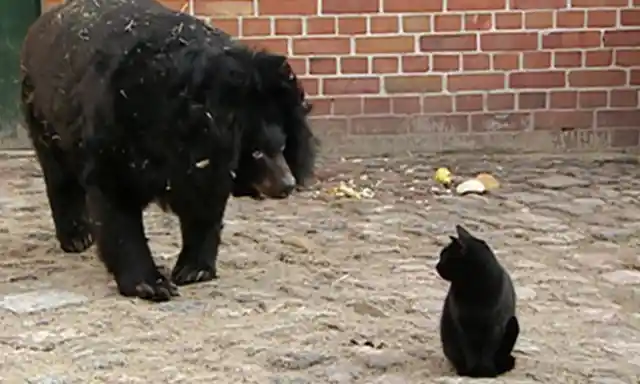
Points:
[[464, 256]]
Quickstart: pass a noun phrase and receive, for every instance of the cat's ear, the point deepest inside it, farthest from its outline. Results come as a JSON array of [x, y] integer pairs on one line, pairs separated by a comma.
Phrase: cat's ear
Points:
[[453, 239], [464, 237]]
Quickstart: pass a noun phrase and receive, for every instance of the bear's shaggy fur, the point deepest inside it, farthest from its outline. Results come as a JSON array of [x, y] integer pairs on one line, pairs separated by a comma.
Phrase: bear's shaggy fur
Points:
[[129, 103]]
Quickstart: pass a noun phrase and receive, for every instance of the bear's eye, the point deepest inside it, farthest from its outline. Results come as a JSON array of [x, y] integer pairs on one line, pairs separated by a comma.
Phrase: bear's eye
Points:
[[257, 154]]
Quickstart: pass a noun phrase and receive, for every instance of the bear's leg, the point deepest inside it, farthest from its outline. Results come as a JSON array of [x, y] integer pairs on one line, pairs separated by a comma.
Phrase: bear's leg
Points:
[[122, 246], [64, 191], [200, 242]]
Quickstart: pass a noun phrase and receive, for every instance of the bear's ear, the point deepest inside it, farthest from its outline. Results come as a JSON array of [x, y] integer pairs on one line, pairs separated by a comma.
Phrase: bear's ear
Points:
[[272, 72], [202, 68], [271, 63]]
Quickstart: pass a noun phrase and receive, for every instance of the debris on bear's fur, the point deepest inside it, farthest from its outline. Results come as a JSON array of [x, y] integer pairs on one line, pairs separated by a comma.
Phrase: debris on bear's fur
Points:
[[127, 103]]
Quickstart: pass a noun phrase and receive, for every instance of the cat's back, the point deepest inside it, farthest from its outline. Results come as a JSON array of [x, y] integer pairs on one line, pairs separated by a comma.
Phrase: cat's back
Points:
[[482, 301]]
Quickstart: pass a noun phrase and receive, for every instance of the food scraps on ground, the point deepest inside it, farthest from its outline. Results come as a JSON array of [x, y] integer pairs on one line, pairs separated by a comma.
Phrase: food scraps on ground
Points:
[[443, 176], [344, 190], [470, 186]]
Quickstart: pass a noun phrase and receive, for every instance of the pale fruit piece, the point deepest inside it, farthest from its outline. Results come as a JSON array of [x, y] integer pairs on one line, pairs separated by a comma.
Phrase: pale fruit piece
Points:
[[488, 181], [470, 186]]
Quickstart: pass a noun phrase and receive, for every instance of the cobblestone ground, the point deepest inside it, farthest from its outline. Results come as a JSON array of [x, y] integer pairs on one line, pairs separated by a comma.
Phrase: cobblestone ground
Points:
[[321, 290]]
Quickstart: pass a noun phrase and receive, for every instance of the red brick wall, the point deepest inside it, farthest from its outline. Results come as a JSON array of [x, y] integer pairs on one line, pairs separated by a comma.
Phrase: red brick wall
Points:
[[526, 74]]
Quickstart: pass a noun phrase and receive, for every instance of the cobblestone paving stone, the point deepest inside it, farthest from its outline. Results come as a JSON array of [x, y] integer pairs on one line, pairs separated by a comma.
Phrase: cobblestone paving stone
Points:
[[304, 283]]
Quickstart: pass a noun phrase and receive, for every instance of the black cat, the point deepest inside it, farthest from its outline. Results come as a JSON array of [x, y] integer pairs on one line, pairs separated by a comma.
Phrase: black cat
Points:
[[478, 327]]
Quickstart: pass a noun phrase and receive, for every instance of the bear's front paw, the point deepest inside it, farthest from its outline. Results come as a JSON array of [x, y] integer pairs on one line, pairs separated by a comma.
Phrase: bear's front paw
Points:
[[153, 287], [189, 273]]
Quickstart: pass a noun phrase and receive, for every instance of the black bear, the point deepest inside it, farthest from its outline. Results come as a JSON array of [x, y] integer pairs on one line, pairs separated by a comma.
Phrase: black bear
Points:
[[478, 327], [127, 103]]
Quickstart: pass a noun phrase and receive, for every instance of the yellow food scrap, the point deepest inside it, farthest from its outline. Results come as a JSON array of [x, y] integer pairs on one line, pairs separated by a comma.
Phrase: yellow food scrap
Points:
[[443, 176]]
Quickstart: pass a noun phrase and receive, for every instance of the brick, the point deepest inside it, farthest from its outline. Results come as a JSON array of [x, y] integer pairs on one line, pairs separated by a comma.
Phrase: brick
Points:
[[385, 65], [567, 59], [547, 79], [352, 25], [350, 86], [601, 19], [532, 100], [501, 101], [599, 58], [509, 20], [475, 5], [347, 106], [447, 22], [477, 22], [476, 62], [623, 98], [415, 63], [558, 120], [332, 127], [321, 25], [492, 122], [592, 99], [416, 23], [536, 60], [298, 65], [384, 24], [377, 105], [231, 9], [445, 63], [311, 86], [287, 7], [441, 123], [506, 61], [406, 105], [537, 4], [571, 19], [630, 17], [413, 84], [402, 6], [321, 46], [473, 82], [622, 38], [634, 76], [256, 27], [597, 78], [277, 45], [618, 118], [621, 138], [385, 44], [388, 125], [349, 6], [627, 58], [538, 20], [288, 27], [509, 41], [578, 39], [321, 106], [323, 65], [469, 103], [437, 104], [563, 100], [598, 3], [352, 65], [448, 42], [229, 25]]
